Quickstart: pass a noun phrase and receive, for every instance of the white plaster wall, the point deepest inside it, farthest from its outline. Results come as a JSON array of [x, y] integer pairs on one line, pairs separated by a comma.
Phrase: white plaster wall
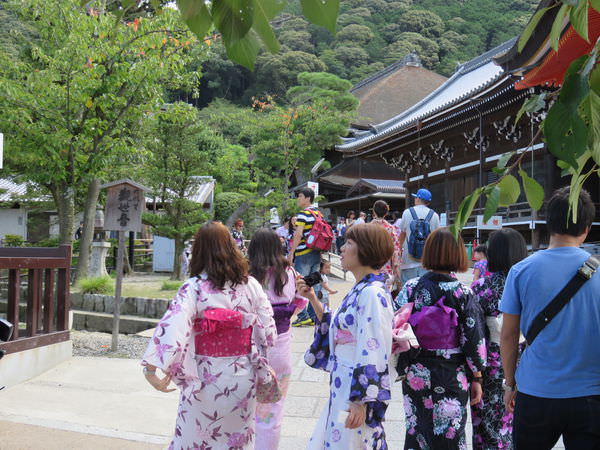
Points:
[[13, 221], [18, 367]]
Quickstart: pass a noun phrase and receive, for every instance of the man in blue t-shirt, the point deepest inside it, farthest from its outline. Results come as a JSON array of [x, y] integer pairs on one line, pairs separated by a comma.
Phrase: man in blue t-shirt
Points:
[[557, 386]]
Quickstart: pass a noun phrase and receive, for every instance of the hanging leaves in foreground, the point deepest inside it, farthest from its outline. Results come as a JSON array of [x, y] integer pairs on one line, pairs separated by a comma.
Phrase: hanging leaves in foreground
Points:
[[322, 12], [531, 105], [491, 206], [243, 24], [533, 191], [464, 211], [509, 190]]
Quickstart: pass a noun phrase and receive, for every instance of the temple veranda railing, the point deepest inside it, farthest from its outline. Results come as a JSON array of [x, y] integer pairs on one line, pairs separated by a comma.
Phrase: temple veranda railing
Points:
[[44, 311]]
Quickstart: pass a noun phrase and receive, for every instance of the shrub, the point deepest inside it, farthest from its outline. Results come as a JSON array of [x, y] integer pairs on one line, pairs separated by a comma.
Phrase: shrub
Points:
[[97, 285], [48, 242], [170, 285], [226, 203], [13, 240]]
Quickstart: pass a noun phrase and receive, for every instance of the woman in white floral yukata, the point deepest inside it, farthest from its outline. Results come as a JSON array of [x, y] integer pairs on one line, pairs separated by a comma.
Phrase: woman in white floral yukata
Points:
[[272, 270], [211, 343], [449, 325], [354, 345]]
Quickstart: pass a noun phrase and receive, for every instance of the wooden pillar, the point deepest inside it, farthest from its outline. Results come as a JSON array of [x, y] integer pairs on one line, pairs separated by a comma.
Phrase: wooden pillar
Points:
[[14, 297], [34, 282], [62, 294], [49, 301]]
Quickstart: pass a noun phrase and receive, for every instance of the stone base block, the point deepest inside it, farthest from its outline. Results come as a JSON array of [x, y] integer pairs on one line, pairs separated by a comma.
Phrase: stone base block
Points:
[[18, 367]]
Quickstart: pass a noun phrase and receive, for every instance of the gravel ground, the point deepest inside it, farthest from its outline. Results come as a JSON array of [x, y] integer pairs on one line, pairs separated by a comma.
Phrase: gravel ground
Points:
[[87, 343]]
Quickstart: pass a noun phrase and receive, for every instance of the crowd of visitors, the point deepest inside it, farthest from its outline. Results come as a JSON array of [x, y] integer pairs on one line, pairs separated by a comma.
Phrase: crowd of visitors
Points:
[[519, 345]]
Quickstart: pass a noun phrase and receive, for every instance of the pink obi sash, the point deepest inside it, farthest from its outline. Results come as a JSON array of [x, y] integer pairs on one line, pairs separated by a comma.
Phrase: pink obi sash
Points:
[[220, 333]]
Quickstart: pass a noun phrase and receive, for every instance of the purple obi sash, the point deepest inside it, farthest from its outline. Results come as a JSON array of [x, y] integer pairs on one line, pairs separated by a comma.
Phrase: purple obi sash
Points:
[[282, 315], [436, 327]]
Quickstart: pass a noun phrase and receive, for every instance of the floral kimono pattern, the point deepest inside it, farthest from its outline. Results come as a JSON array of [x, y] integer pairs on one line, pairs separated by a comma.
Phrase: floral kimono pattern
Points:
[[436, 387], [217, 393], [492, 424], [269, 416], [392, 267], [354, 345]]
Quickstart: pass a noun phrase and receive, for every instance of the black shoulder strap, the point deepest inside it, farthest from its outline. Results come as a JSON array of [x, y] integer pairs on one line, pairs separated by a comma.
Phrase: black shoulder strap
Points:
[[584, 273]]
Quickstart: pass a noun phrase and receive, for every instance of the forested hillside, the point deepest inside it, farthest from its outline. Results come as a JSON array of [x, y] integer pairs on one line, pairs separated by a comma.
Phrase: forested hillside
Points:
[[371, 35]]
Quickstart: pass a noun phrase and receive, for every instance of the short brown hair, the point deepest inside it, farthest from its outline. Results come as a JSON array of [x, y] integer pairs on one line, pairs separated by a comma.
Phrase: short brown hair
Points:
[[375, 245], [381, 208], [442, 252], [216, 253]]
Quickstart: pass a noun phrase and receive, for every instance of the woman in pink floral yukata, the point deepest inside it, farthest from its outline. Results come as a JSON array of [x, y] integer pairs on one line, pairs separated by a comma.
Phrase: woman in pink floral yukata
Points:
[[272, 270], [211, 343], [449, 325]]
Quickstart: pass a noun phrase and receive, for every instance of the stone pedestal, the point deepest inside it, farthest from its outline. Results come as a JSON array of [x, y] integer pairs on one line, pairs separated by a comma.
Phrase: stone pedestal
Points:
[[98, 259]]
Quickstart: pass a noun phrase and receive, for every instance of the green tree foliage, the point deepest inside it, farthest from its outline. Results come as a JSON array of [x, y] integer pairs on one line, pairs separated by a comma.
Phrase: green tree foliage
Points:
[[181, 151], [371, 33], [277, 73], [359, 35], [426, 23], [294, 137], [73, 99], [226, 203]]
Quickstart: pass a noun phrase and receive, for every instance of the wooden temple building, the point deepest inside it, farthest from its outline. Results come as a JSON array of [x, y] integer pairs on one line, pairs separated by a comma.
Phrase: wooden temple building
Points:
[[355, 183], [449, 141]]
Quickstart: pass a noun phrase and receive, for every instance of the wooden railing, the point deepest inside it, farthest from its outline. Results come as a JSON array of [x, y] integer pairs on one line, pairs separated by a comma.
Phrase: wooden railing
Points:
[[517, 212], [47, 303]]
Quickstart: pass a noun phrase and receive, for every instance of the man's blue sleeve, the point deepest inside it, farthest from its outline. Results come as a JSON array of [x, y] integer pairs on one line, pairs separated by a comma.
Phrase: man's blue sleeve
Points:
[[511, 298]]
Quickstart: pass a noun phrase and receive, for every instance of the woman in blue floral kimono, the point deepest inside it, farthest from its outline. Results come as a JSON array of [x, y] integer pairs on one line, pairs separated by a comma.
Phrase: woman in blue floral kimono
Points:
[[449, 326], [354, 345], [492, 424]]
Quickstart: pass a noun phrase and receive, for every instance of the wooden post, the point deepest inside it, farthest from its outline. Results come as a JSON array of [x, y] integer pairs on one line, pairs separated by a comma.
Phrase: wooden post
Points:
[[14, 297], [131, 250], [125, 202], [118, 285], [49, 301], [33, 301]]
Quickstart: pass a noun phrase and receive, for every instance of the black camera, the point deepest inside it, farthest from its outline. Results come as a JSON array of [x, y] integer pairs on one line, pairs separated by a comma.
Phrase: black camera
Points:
[[6, 329], [312, 279]]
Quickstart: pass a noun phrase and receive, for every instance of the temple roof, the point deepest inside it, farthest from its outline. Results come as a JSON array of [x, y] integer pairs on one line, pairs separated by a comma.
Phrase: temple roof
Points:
[[541, 65], [394, 89], [469, 79], [350, 171], [375, 185]]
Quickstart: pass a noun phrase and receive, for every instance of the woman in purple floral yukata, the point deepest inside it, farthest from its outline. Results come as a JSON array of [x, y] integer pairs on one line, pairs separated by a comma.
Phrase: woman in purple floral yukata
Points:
[[211, 343], [354, 345], [492, 424], [449, 325]]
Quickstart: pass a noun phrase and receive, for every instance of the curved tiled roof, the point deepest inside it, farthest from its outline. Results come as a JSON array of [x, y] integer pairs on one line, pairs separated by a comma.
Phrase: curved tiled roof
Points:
[[11, 191], [469, 78]]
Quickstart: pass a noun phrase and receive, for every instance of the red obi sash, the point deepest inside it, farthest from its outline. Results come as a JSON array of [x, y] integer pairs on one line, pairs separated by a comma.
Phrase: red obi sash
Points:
[[220, 333]]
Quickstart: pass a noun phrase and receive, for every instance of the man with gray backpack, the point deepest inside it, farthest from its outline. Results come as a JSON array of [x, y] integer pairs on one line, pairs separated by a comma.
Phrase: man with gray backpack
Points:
[[416, 224]]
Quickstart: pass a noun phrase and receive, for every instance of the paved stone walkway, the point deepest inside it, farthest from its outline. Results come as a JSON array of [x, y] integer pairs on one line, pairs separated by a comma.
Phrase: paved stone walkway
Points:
[[104, 403]]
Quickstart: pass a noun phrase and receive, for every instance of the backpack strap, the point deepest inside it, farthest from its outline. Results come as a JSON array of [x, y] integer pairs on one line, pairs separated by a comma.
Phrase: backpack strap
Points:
[[314, 212], [429, 215], [413, 213], [541, 321]]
